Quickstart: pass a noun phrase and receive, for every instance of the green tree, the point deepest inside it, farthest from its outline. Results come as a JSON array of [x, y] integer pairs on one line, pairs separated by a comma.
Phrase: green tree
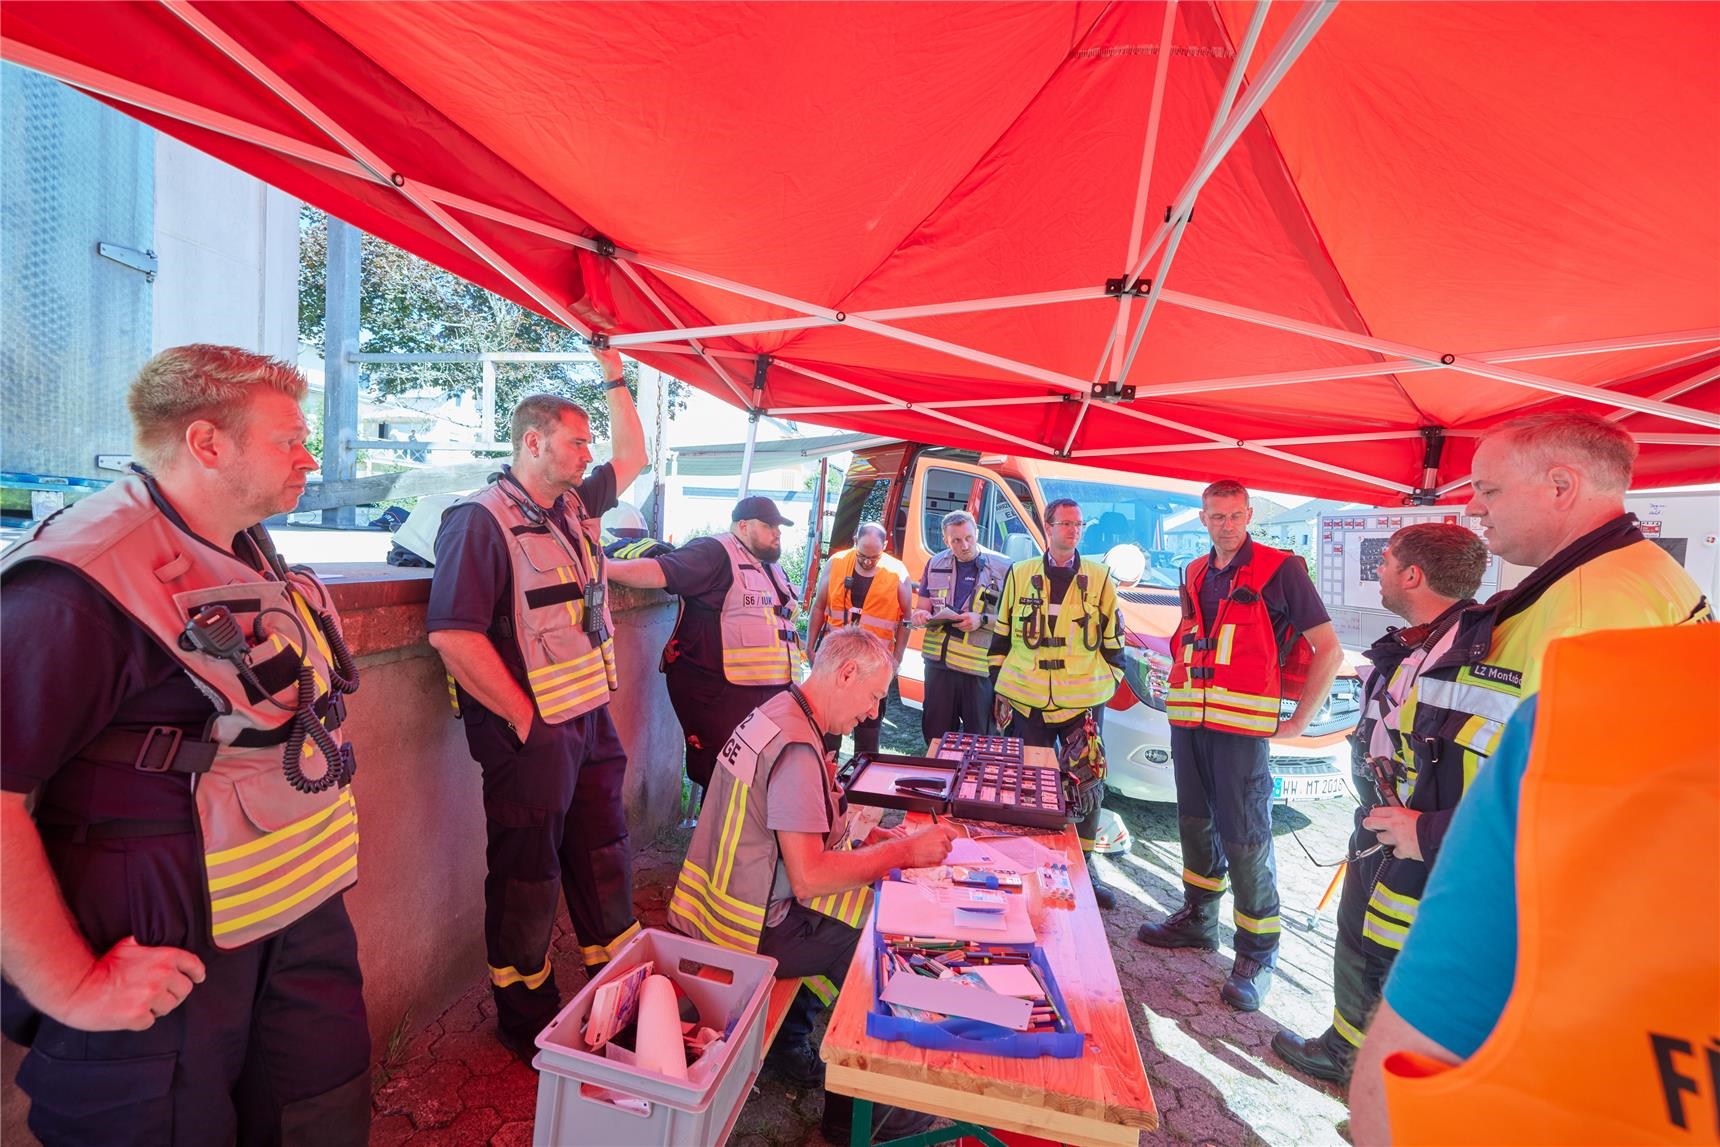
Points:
[[408, 306]]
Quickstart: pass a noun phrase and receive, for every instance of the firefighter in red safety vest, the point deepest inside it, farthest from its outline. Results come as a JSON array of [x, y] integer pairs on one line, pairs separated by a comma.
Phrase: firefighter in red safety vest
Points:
[[173, 899], [865, 587], [1254, 634], [519, 613], [734, 645]]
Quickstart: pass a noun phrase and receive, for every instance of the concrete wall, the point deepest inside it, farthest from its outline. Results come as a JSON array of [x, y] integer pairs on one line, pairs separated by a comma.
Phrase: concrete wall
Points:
[[418, 906]]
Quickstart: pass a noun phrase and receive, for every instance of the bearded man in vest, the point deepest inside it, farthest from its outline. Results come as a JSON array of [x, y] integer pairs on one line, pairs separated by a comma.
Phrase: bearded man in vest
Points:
[[1428, 575], [1252, 624], [734, 645], [519, 613], [956, 603], [863, 586], [1059, 643], [772, 866], [188, 976], [1549, 490]]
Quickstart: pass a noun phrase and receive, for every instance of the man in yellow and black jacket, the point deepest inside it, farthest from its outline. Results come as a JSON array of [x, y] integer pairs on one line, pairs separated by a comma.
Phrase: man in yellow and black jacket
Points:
[[1060, 648]]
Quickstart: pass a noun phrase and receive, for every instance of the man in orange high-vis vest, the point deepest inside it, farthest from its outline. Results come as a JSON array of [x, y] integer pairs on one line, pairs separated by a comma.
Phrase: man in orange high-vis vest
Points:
[[867, 587], [1246, 610], [518, 613], [1566, 952], [190, 972], [734, 645]]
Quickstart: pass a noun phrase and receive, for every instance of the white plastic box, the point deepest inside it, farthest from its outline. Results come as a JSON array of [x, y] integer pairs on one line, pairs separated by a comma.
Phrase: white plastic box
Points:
[[731, 991]]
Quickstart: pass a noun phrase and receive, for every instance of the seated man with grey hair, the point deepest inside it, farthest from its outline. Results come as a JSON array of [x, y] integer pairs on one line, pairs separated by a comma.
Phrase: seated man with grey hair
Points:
[[772, 866]]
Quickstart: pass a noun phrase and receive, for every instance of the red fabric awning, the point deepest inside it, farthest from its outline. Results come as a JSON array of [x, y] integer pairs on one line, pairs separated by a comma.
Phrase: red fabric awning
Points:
[[1532, 189]]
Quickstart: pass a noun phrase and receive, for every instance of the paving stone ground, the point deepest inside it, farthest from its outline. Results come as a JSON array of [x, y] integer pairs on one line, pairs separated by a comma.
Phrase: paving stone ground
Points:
[[1214, 1078]]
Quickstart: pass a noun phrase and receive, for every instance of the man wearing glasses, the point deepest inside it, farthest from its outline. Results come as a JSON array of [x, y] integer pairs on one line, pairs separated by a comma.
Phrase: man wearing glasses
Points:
[[1061, 642]]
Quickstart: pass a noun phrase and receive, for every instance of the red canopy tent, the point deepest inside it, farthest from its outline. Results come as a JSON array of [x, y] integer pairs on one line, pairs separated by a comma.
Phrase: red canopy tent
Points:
[[1313, 239]]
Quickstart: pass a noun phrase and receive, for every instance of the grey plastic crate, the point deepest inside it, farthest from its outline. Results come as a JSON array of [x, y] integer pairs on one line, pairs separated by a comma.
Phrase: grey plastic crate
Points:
[[731, 991]]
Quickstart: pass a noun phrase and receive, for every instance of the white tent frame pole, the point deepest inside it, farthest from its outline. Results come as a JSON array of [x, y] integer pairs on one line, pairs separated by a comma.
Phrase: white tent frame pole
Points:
[[717, 368], [1288, 49], [1462, 363], [1180, 222], [747, 454], [894, 404], [1138, 218], [1112, 352], [1672, 391], [350, 143], [947, 404]]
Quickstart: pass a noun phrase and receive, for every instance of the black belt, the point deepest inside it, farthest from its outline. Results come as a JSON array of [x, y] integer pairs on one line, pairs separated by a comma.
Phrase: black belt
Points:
[[167, 748], [114, 830]]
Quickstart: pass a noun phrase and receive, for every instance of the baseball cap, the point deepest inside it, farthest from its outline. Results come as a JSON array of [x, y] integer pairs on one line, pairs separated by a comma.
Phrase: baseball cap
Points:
[[760, 509]]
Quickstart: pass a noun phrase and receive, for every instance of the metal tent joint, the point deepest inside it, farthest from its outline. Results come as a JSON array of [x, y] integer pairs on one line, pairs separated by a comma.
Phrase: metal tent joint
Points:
[[605, 246], [1186, 218], [1121, 286], [598, 340], [1433, 446], [1113, 392]]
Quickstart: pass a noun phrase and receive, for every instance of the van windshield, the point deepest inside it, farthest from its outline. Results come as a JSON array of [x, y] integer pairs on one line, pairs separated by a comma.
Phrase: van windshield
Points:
[[1165, 525]]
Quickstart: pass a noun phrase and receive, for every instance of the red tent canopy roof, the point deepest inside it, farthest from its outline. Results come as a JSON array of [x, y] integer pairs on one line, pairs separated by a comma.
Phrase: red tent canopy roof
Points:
[[1443, 213]]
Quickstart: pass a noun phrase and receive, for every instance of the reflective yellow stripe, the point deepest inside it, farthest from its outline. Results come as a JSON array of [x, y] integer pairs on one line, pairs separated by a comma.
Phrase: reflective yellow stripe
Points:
[[507, 977], [1253, 702], [729, 838], [1383, 932], [1209, 883], [217, 883], [346, 842], [223, 927], [1389, 903], [742, 913], [1352, 1034], [1263, 926], [1226, 639], [614, 946], [822, 987], [343, 804], [691, 907]]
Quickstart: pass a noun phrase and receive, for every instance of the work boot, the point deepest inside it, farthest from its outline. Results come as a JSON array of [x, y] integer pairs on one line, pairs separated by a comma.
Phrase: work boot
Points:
[[796, 1062], [1318, 1057], [1191, 926], [1102, 893], [1247, 984]]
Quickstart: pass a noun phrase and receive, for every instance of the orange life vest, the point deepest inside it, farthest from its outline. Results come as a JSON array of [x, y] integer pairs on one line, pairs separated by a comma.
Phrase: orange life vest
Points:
[[881, 613], [1231, 673], [1607, 1038]]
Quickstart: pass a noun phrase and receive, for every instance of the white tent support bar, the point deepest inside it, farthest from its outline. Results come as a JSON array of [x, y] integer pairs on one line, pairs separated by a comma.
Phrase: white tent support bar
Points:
[[1318, 439], [717, 330], [295, 99], [486, 356], [1137, 220], [1227, 100], [973, 306], [1672, 391], [819, 376], [1168, 448], [949, 404], [1678, 439], [100, 83], [650, 293], [1289, 47], [1462, 363]]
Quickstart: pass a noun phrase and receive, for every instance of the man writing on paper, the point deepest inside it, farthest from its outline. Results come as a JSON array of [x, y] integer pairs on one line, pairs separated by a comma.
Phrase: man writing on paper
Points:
[[771, 867]]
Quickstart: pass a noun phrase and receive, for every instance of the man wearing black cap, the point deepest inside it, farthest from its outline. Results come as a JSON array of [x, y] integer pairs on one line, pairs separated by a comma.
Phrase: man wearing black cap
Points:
[[734, 644]]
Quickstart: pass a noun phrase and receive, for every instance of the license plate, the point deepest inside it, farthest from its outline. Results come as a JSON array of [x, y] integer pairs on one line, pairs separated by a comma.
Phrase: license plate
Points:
[[1307, 788]]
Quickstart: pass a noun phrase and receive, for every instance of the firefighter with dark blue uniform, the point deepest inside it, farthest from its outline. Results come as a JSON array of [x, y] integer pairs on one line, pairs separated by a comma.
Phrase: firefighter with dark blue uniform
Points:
[[956, 605], [518, 612], [176, 947], [734, 646], [1254, 634]]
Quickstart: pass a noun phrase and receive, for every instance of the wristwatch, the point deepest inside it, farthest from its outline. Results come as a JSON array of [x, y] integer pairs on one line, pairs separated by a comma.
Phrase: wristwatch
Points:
[[613, 383]]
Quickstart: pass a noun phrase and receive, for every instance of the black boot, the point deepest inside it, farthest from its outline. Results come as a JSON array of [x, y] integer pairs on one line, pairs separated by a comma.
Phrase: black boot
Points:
[[1102, 893], [796, 1062], [1191, 926], [1323, 1057], [1247, 984]]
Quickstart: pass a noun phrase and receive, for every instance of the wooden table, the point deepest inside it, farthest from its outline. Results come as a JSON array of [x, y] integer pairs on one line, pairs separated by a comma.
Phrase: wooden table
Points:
[[1100, 1099]]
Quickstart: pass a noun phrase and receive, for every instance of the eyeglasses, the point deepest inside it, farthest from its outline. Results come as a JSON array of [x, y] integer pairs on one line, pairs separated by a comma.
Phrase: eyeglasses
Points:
[[1074, 524]]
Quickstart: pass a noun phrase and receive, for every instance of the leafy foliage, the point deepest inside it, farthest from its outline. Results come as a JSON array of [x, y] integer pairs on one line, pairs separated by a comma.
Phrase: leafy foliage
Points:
[[408, 306]]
